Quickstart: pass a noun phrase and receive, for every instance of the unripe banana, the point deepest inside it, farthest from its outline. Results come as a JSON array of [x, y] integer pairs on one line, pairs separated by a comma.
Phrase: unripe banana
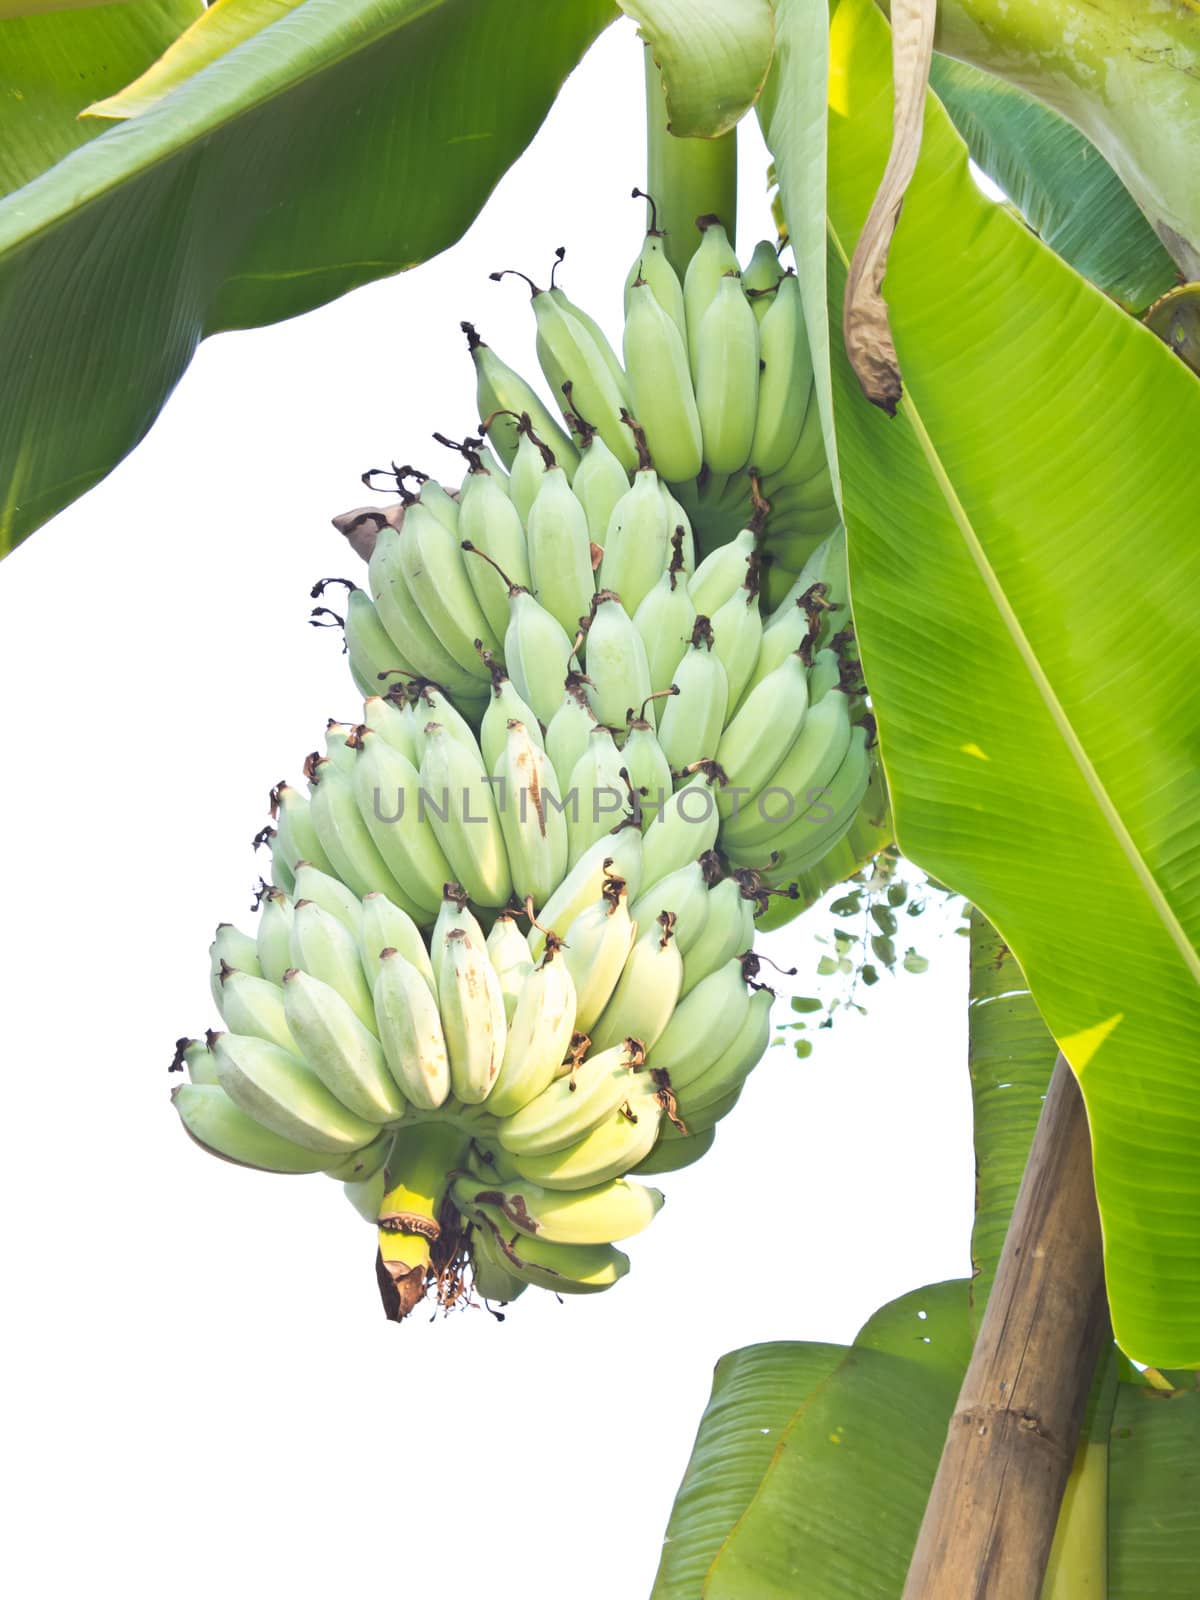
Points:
[[703, 1026], [665, 620], [646, 992], [737, 633], [727, 377], [685, 893], [680, 525], [531, 816], [344, 1054], [648, 769], [394, 724], [533, 461], [661, 385], [362, 1164], [762, 732], [617, 855], [713, 259], [537, 653], [274, 938], [637, 546], [568, 1108], [410, 1029], [597, 796], [488, 519], [403, 619], [563, 1268], [345, 836], [574, 355], [504, 706], [600, 1215], [321, 946], [462, 810], [428, 703], [674, 1151], [491, 1278], [254, 1006], [690, 723], [595, 949], [338, 750], [727, 932], [618, 673], [761, 278], [198, 1059], [452, 913], [502, 395], [824, 674], [282, 1093], [370, 647], [731, 1068], [653, 268], [785, 383], [815, 755], [599, 483], [722, 572], [388, 793], [508, 951], [599, 338], [366, 1194], [706, 1118], [221, 1128], [834, 804], [472, 1010], [385, 926], [611, 1149], [296, 835], [560, 550], [685, 830], [231, 948], [330, 894], [570, 728], [431, 559], [538, 1037]]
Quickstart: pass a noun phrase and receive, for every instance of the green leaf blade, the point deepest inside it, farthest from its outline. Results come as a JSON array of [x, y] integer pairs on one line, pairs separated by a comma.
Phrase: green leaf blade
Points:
[[1025, 577]]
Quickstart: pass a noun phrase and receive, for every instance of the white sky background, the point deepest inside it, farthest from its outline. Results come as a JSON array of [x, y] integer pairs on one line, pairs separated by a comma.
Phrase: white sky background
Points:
[[205, 1396]]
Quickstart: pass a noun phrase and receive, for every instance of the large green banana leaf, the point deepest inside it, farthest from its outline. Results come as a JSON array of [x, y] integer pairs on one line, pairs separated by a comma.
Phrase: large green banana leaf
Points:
[[1058, 181], [1025, 574], [346, 140], [813, 1462]]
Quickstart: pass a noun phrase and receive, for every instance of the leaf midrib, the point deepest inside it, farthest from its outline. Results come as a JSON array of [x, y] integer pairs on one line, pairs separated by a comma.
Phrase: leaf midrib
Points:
[[1053, 704]]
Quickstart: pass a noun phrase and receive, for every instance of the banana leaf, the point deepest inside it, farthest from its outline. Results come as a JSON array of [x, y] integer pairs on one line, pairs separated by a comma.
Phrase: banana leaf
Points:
[[1025, 576], [1058, 181], [343, 141]]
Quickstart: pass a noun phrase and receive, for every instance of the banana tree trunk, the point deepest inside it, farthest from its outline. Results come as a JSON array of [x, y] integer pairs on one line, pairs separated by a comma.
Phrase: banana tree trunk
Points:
[[991, 1516]]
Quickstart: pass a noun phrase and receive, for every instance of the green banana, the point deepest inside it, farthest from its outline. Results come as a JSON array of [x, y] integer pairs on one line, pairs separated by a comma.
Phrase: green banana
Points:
[[642, 1002], [462, 811], [254, 1006], [431, 560], [683, 832], [410, 1030], [600, 481], [344, 834], [761, 732], [595, 949], [504, 706], [722, 572], [728, 931], [369, 645], [566, 1269], [220, 1127], [274, 938], [570, 728], [388, 792], [560, 551], [652, 267], [394, 723], [403, 620], [570, 1107], [785, 384], [508, 951], [689, 727], [600, 1215], [488, 520], [674, 1151], [730, 1069], [502, 395], [737, 633], [637, 545], [815, 755], [531, 817], [472, 1011], [385, 926], [711, 262], [761, 278], [685, 894], [330, 894], [612, 1148], [344, 1054], [283, 1093], [321, 946], [618, 673], [702, 1027], [665, 620], [538, 1037], [661, 385], [597, 795], [727, 377], [231, 948]]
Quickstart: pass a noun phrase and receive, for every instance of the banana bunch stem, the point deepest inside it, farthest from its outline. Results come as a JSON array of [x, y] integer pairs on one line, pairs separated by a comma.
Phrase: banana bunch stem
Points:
[[418, 1241], [688, 178]]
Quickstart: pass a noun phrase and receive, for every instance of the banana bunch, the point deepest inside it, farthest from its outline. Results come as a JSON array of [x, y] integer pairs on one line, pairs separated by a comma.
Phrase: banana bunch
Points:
[[482, 1092], [716, 369]]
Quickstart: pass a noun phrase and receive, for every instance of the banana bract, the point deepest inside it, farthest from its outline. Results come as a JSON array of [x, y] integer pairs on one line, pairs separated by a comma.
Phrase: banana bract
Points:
[[612, 716]]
